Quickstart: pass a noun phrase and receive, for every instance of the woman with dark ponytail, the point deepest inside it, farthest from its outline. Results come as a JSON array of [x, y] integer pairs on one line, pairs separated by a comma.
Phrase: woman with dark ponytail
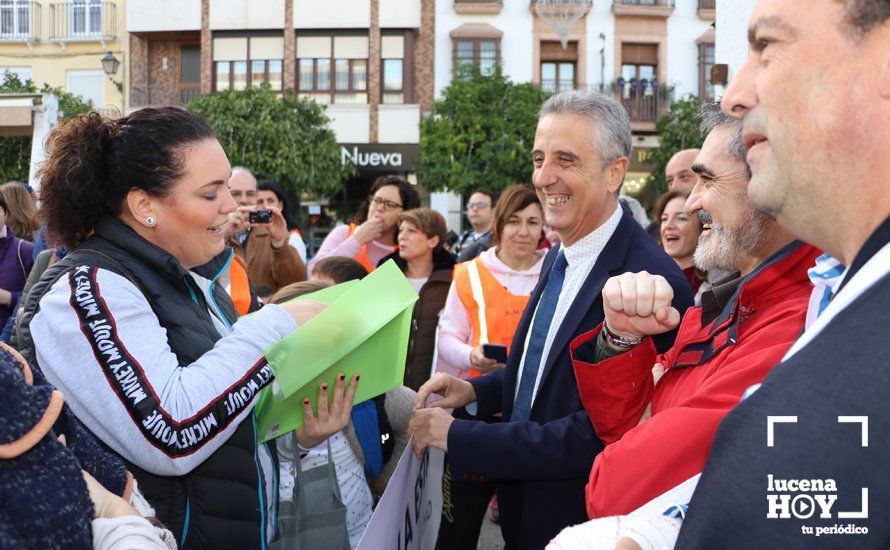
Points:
[[134, 329]]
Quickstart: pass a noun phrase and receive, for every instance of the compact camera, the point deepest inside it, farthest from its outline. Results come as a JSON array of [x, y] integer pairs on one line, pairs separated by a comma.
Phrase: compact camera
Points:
[[260, 216]]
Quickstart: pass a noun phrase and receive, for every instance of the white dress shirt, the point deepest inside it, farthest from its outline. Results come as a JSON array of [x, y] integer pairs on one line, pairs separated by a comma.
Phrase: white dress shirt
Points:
[[581, 256]]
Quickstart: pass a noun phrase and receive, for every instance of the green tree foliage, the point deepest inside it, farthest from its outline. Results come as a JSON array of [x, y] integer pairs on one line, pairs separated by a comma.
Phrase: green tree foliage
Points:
[[277, 136], [15, 151], [480, 134], [677, 130]]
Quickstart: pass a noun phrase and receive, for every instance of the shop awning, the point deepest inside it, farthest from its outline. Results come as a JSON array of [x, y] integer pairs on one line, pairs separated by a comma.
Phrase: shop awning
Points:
[[17, 113]]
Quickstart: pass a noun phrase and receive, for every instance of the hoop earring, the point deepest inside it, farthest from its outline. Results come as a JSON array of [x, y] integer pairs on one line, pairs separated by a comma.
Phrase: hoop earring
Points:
[[149, 221]]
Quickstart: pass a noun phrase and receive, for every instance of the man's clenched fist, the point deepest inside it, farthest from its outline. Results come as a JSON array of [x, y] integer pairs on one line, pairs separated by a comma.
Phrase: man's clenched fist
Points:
[[638, 305]]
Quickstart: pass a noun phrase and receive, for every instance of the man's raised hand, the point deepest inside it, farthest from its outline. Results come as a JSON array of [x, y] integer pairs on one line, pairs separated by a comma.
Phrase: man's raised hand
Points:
[[638, 305]]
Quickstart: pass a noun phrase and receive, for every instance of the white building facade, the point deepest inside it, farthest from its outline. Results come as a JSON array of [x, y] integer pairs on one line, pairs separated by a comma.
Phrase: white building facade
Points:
[[370, 62], [733, 17], [641, 51]]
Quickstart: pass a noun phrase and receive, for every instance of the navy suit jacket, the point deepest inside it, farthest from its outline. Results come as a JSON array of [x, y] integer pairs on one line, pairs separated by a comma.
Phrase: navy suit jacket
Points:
[[542, 464], [842, 371]]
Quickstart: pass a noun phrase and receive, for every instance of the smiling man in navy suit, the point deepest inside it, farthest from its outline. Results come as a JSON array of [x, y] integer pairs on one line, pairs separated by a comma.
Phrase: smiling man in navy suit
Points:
[[542, 451]]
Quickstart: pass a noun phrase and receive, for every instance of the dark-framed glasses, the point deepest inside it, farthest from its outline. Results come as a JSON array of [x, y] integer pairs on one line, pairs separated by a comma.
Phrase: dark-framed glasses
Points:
[[386, 204]]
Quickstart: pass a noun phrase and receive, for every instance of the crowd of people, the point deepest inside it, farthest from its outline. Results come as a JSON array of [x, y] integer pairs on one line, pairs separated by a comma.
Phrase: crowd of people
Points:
[[595, 380]]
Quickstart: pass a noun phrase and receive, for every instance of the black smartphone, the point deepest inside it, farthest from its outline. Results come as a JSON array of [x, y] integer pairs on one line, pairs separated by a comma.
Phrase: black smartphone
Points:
[[496, 352], [260, 216]]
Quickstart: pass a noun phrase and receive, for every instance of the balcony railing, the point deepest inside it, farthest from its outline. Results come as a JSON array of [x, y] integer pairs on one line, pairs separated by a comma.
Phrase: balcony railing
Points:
[[707, 9], [109, 111], [656, 3], [482, 7], [645, 101], [157, 95], [643, 8], [554, 87], [20, 21], [640, 105], [82, 20]]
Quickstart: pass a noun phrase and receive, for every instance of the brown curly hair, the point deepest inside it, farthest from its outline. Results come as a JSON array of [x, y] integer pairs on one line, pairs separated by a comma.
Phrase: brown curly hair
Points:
[[93, 163]]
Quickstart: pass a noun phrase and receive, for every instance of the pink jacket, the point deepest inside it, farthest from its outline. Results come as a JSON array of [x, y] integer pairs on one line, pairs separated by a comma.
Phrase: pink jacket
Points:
[[340, 243], [455, 330]]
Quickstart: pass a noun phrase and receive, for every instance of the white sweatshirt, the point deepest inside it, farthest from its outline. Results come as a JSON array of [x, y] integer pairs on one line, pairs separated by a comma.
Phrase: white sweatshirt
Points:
[[98, 341]]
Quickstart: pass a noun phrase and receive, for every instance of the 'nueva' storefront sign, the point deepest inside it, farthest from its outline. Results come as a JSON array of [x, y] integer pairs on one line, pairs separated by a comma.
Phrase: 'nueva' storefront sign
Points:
[[379, 157]]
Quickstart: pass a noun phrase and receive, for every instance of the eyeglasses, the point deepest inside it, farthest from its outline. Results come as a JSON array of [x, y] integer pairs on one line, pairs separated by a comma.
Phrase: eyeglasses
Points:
[[478, 205], [387, 205]]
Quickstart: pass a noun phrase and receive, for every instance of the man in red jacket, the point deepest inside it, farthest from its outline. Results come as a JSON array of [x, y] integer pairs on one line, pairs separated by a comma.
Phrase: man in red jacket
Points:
[[658, 432]]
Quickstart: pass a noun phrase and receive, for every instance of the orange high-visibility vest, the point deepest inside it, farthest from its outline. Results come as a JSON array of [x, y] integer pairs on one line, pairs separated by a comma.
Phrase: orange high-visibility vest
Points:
[[362, 256], [494, 313], [239, 285]]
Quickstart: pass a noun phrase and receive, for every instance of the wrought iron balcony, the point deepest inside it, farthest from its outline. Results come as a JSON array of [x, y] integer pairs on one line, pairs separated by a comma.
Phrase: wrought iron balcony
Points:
[[476, 7], [109, 111], [707, 9], [552, 86], [645, 8], [157, 95], [20, 21], [655, 3], [645, 101], [643, 104], [82, 20]]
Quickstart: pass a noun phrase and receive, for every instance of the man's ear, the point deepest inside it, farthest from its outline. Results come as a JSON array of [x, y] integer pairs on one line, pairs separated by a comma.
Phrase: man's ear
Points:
[[615, 174], [141, 206]]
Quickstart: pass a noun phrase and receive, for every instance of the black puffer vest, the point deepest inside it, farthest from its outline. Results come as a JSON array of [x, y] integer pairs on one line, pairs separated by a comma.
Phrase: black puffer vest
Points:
[[220, 503]]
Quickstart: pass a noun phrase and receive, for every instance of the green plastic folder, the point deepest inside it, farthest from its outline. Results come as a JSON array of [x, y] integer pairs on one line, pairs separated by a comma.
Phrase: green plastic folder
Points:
[[363, 331]]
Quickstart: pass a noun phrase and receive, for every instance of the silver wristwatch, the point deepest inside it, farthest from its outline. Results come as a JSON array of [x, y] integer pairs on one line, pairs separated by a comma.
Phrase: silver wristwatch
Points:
[[619, 342]]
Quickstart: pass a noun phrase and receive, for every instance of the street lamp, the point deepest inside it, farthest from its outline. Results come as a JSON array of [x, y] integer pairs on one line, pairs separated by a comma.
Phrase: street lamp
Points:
[[110, 65]]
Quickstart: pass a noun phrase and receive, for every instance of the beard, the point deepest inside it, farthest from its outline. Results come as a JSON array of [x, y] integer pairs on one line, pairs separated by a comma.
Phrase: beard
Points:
[[725, 247]]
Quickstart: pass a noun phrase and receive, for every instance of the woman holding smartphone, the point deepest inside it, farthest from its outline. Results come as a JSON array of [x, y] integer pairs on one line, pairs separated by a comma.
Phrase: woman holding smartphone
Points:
[[483, 309], [506, 275]]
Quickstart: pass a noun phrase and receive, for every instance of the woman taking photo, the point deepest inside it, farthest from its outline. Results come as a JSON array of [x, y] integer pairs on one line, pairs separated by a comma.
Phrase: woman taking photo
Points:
[[271, 195], [485, 304], [135, 331], [679, 233], [428, 267], [375, 230]]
